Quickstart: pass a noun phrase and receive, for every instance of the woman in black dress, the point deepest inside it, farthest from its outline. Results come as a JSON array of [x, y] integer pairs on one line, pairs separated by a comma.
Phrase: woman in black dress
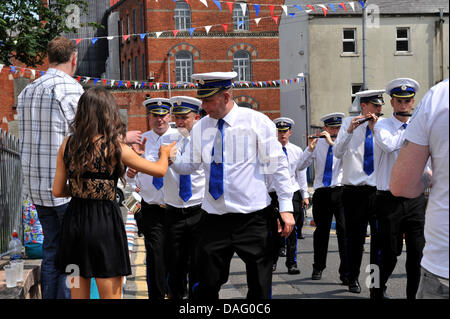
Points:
[[92, 159]]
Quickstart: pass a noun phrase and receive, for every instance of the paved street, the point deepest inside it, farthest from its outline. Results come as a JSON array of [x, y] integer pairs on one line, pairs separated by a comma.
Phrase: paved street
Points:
[[284, 286]]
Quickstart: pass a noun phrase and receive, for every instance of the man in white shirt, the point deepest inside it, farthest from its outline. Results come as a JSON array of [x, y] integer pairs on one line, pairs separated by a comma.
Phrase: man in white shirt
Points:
[[300, 198], [236, 147], [427, 135], [354, 145], [151, 191], [327, 198], [183, 196], [397, 216]]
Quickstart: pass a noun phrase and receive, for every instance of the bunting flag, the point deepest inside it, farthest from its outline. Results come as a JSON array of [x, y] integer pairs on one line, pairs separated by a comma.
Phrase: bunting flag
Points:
[[352, 4], [284, 9], [256, 7], [324, 9], [332, 7], [158, 34], [207, 28], [218, 5], [271, 10], [298, 7], [204, 2], [142, 36], [125, 37], [191, 30], [175, 32], [77, 41], [311, 7], [1, 67], [110, 37], [230, 6], [243, 8], [225, 27], [94, 40], [275, 18], [257, 20], [342, 5]]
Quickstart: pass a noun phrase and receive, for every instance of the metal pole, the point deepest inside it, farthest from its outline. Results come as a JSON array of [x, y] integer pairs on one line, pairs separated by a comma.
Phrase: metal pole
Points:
[[168, 71], [364, 86]]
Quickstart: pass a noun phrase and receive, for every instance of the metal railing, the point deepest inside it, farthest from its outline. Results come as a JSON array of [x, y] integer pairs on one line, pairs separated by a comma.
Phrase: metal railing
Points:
[[10, 189]]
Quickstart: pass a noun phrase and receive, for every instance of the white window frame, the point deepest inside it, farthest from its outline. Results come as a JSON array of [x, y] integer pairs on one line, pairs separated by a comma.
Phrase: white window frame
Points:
[[183, 67], [182, 16], [238, 17], [242, 66], [407, 39], [355, 51]]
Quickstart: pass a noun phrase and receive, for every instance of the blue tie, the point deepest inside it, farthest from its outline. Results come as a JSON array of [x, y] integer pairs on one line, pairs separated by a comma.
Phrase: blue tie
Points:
[[216, 172], [328, 172], [185, 181], [158, 182], [404, 125], [285, 152], [368, 152]]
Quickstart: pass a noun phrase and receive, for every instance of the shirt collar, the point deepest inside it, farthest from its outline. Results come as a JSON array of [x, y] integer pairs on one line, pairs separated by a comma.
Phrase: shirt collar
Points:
[[232, 116], [398, 124], [58, 73]]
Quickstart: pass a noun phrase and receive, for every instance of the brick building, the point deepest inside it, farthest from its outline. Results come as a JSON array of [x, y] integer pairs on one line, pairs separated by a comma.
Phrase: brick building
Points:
[[176, 39]]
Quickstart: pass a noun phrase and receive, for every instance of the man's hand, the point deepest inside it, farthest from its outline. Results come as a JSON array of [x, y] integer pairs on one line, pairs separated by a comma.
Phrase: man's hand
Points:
[[327, 138], [131, 172], [133, 137], [139, 148], [289, 223], [305, 202], [355, 123]]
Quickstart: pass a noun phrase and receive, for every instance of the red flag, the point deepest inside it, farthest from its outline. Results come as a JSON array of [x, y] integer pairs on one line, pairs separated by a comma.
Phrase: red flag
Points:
[[271, 10], [187, 1], [324, 11], [225, 27], [128, 84], [275, 19], [175, 32], [311, 7], [104, 82], [78, 78], [77, 41], [125, 37], [230, 6], [342, 4]]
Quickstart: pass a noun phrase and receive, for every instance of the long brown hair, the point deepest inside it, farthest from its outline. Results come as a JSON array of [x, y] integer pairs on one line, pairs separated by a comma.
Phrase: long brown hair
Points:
[[97, 115]]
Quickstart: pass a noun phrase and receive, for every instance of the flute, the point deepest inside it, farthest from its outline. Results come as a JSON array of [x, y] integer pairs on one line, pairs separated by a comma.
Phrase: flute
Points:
[[369, 118], [314, 136], [402, 113]]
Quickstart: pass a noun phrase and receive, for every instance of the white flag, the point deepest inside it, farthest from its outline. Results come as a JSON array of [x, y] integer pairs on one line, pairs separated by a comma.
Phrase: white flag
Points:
[[33, 74], [110, 38], [158, 34], [244, 8], [204, 2], [285, 9], [257, 20], [1, 67], [86, 80], [135, 85], [207, 28], [352, 4], [112, 82]]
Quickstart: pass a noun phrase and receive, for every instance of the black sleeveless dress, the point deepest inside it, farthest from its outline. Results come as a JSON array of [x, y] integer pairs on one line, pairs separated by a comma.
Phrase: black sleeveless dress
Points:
[[93, 234]]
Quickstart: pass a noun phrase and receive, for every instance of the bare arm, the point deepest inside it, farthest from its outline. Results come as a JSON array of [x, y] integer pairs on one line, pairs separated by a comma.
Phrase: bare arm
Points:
[[406, 175], [60, 186], [157, 169]]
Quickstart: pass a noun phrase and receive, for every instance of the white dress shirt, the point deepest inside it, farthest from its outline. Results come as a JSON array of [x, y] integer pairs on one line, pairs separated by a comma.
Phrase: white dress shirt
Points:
[[172, 178], [389, 136], [148, 192], [350, 149], [298, 177], [251, 150], [319, 157], [430, 127]]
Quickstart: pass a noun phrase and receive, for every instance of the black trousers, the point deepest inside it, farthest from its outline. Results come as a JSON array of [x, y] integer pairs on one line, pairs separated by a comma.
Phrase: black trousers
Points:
[[247, 235], [182, 238], [291, 241], [153, 222], [327, 202], [398, 216], [359, 211]]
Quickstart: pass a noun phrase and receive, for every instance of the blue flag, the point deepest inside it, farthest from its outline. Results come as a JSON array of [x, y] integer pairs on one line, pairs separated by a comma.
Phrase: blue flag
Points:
[[218, 4], [256, 9]]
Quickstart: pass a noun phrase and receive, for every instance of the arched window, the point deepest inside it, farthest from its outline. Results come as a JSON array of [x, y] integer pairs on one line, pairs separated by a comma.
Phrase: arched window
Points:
[[182, 16], [240, 20], [183, 66], [241, 60]]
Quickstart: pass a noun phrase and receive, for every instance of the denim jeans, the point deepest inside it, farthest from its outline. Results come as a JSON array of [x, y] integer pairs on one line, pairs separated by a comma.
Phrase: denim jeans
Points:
[[53, 283], [432, 286]]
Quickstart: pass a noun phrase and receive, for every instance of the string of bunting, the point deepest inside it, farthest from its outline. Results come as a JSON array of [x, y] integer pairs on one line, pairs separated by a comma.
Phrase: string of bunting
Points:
[[244, 6], [158, 86]]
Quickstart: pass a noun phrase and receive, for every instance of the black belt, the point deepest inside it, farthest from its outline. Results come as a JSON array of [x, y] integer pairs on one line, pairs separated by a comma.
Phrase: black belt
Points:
[[184, 210], [368, 187], [384, 193]]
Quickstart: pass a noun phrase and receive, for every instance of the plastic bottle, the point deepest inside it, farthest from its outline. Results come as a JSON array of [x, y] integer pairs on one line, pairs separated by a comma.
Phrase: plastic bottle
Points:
[[15, 247]]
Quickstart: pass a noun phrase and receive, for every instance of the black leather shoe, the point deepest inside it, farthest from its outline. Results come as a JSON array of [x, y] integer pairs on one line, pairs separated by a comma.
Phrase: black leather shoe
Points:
[[316, 275], [274, 267], [344, 280], [282, 252], [353, 286], [293, 270]]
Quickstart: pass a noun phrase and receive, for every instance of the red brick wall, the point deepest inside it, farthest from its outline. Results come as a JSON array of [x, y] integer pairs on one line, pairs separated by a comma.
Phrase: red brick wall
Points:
[[212, 52]]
